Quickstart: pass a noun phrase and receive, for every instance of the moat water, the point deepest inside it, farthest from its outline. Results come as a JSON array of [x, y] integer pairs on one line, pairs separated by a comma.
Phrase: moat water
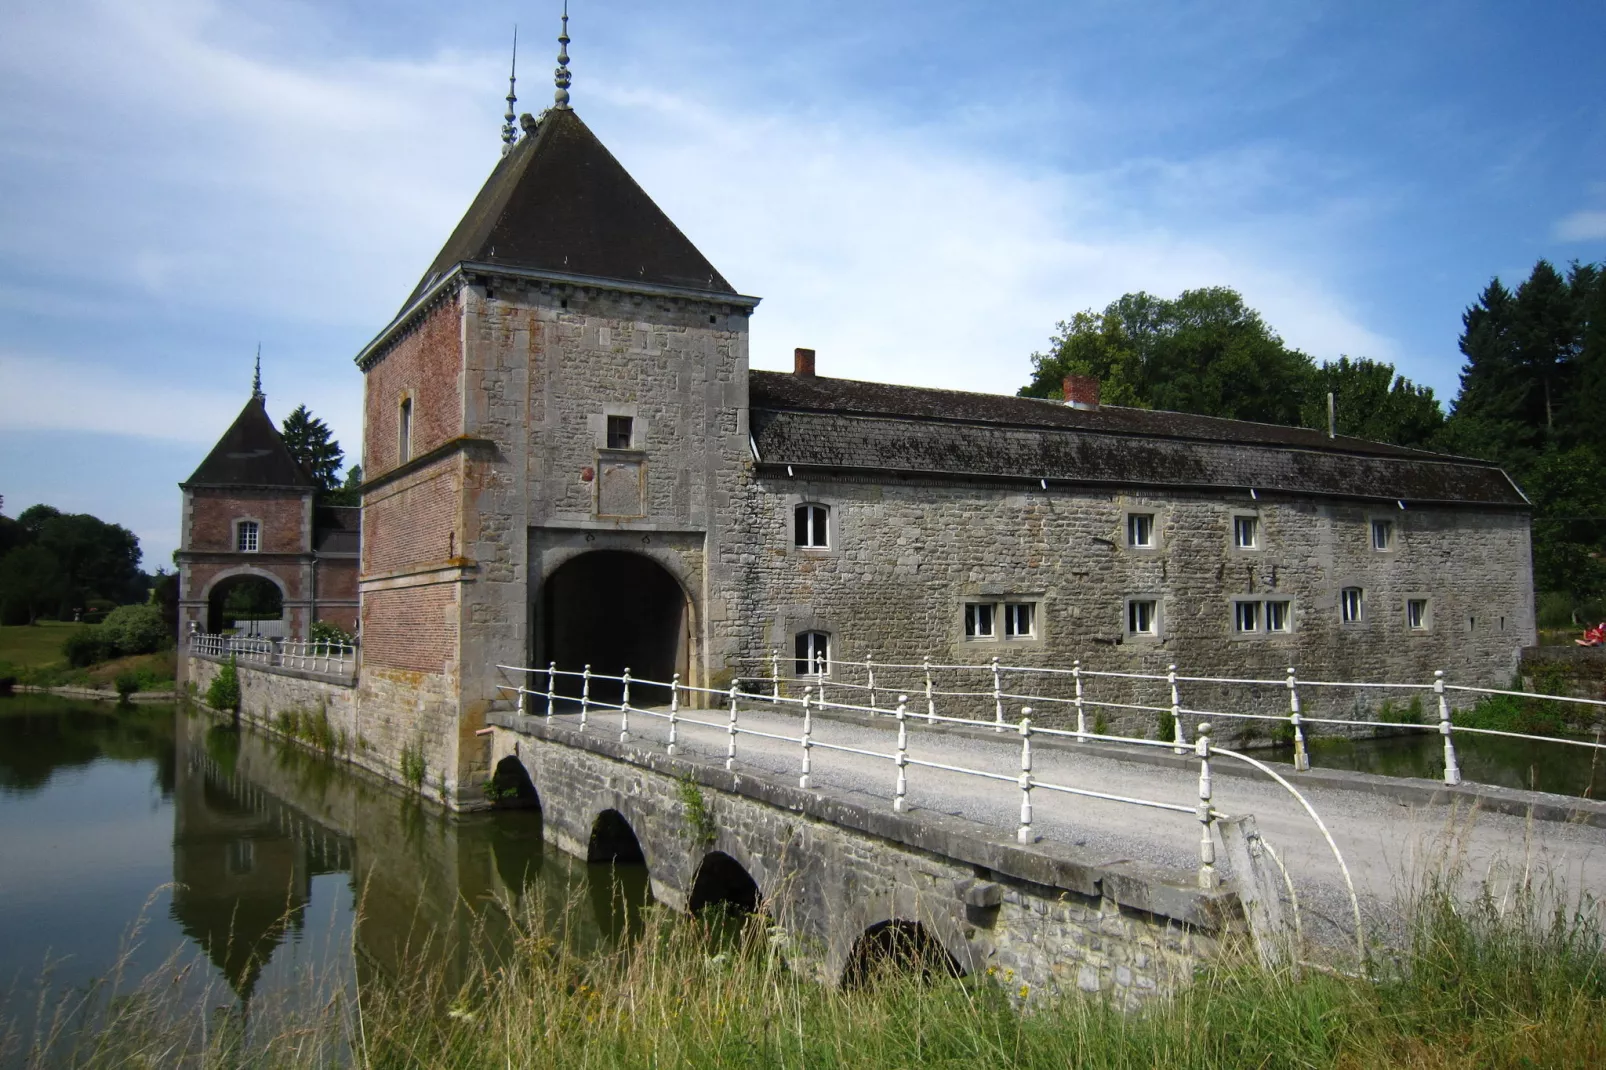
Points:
[[141, 838]]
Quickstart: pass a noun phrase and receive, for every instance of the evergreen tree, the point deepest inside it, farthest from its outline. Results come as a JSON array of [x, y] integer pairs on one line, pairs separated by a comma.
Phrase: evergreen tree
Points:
[[1373, 403], [313, 445]]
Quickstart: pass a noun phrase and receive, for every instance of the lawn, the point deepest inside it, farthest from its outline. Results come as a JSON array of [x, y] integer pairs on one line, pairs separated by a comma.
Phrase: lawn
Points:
[[34, 647], [33, 655]]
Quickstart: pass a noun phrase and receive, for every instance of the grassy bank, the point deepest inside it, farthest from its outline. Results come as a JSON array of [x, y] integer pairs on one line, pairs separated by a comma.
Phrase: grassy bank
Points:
[[33, 655], [1498, 984]]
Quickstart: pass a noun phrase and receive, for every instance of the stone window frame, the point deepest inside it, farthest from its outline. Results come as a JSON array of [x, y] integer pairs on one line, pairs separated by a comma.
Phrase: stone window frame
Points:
[[1426, 627], [1362, 614], [997, 602], [1395, 530], [235, 534], [1260, 531], [1156, 516], [406, 414], [830, 651], [1262, 630], [638, 428], [1158, 622], [789, 507]]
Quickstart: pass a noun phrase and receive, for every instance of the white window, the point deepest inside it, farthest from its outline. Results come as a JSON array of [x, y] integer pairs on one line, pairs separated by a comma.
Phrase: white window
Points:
[[1278, 619], [979, 621], [809, 527], [1140, 530], [1246, 616], [1246, 532], [404, 431], [1382, 534], [813, 654], [1142, 617], [1020, 620], [247, 536], [1416, 614], [1351, 602]]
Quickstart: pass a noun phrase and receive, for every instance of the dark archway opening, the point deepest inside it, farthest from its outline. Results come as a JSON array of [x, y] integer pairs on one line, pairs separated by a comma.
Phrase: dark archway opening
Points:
[[244, 603], [614, 611], [721, 882], [617, 877], [613, 840], [510, 787], [891, 950]]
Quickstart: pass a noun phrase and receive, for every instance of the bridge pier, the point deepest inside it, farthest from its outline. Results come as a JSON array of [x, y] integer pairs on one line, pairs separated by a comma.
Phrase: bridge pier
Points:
[[841, 878]]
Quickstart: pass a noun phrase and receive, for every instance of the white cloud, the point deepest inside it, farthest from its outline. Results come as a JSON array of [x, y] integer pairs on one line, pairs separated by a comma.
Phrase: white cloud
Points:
[[48, 394], [1582, 226]]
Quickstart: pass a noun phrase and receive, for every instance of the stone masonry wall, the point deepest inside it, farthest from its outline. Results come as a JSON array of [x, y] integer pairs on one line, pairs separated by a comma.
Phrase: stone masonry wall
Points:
[[905, 558], [829, 870]]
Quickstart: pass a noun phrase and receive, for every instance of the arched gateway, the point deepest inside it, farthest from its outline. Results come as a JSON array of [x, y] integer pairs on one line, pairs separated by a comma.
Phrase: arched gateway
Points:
[[614, 610]]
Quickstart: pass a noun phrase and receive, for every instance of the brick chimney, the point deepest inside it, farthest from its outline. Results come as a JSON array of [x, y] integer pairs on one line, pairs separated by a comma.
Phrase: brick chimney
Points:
[[803, 363], [1081, 392]]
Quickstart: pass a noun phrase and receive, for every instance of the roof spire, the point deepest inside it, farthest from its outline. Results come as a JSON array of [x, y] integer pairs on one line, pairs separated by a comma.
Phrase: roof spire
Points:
[[256, 380], [560, 99], [510, 133]]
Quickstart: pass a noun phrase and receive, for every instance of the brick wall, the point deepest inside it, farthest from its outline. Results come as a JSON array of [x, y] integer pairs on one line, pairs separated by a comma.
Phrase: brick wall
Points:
[[412, 521], [282, 515], [412, 628], [427, 365]]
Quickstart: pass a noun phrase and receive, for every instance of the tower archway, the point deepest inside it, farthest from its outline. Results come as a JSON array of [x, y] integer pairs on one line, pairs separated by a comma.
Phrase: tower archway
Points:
[[614, 610], [246, 601]]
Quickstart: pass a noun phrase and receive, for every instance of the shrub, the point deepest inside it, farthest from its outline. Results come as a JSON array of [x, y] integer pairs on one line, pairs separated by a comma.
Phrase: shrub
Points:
[[224, 692], [324, 632], [135, 630], [85, 646], [127, 683]]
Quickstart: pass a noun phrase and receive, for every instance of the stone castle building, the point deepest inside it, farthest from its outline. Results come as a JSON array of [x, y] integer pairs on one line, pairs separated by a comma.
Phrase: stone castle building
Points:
[[569, 460]]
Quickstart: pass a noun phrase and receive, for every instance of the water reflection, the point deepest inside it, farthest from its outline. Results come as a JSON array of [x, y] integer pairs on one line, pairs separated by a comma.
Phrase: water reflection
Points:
[[280, 862]]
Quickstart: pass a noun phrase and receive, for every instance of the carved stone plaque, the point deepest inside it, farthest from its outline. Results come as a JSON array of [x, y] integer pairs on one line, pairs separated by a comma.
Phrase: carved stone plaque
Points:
[[620, 481]]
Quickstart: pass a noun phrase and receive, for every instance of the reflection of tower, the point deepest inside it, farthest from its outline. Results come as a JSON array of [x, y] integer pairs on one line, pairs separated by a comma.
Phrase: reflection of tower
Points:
[[243, 880]]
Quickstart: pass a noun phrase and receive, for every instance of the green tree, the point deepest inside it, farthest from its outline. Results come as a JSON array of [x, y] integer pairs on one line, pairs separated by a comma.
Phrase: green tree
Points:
[[349, 492], [1568, 489], [312, 443], [136, 629], [1374, 403], [31, 585]]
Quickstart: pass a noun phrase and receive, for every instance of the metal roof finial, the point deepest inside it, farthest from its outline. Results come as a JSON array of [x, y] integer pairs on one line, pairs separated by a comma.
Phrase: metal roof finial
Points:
[[256, 380], [561, 76], [510, 133]]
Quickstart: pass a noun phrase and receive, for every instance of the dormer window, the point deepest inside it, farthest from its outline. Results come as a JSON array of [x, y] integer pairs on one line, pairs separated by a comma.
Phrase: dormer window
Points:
[[247, 536], [620, 429]]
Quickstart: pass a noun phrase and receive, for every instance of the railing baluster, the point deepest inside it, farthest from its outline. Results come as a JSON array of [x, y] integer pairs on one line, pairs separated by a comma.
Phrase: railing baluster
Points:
[[775, 676], [674, 708], [1207, 816], [1301, 753], [820, 667], [730, 747], [998, 697], [1452, 771], [624, 707], [1176, 713], [931, 701], [1081, 714], [551, 690], [585, 695], [1024, 833], [808, 732], [902, 787], [869, 672]]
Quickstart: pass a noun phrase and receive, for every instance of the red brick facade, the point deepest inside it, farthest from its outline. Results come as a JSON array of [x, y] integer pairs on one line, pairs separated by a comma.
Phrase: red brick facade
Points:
[[426, 366]]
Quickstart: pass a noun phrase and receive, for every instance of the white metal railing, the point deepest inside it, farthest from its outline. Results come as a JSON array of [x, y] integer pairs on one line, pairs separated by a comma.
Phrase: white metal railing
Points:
[[309, 655], [550, 702], [999, 685]]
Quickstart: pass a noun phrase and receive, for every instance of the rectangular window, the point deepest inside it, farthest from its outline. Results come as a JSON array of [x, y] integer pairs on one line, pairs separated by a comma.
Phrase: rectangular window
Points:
[[813, 654], [1246, 616], [1350, 604], [619, 430], [1141, 618], [979, 620], [404, 431], [1416, 614], [1382, 534], [809, 526], [1020, 620], [246, 537], [1277, 616], [1246, 532], [1140, 530]]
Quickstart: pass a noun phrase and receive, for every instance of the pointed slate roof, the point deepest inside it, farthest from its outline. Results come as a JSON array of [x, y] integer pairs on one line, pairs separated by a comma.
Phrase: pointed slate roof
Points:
[[250, 453], [560, 202]]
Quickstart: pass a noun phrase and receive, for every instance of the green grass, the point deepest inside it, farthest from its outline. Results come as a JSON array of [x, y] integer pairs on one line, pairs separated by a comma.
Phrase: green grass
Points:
[[1509, 982], [33, 655], [34, 647]]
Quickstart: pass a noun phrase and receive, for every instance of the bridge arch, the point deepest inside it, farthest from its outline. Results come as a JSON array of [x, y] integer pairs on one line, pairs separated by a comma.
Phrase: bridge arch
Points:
[[898, 946], [614, 840], [510, 786], [616, 609], [721, 880]]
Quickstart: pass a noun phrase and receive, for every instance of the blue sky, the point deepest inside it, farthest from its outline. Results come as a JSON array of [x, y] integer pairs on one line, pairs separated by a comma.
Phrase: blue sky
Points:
[[919, 190]]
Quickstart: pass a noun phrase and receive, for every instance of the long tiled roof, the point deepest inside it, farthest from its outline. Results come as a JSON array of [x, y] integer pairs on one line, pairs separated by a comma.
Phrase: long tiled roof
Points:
[[843, 424]]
